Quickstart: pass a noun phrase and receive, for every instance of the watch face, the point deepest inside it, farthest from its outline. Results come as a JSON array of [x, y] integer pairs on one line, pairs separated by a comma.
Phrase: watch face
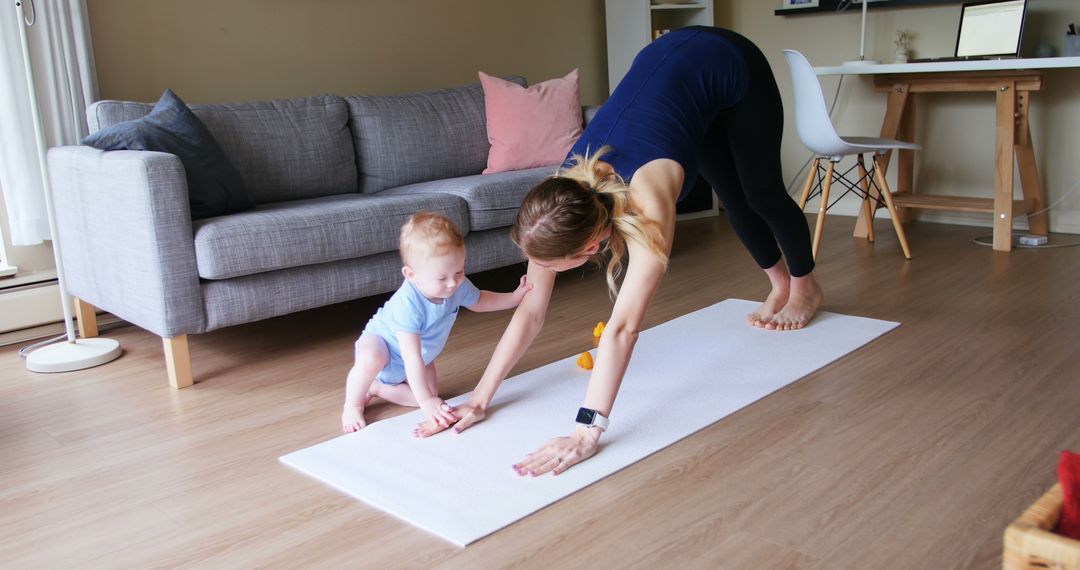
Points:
[[586, 416]]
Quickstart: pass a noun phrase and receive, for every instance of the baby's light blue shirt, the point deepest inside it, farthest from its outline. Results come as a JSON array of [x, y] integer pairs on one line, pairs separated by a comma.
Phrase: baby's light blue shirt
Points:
[[410, 311]]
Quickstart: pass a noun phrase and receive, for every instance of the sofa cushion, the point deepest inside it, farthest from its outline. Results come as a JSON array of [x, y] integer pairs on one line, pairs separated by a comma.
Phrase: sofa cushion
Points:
[[284, 149], [306, 232], [493, 199], [404, 139], [214, 187]]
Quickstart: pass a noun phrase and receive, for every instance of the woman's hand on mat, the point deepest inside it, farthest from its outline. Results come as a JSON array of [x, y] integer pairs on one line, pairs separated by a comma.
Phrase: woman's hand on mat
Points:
[[561, 453], [465, 415], [438, 412]]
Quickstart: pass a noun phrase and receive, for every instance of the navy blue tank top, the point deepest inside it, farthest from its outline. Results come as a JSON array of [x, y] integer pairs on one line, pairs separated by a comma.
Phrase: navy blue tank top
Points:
[[668, 100]]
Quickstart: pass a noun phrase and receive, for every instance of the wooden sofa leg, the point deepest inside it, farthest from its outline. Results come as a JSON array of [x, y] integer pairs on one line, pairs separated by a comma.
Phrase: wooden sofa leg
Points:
[[178, 361], [86, 317]]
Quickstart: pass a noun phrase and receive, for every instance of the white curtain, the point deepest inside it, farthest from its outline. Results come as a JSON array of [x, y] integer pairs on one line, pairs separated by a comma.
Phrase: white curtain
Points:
[[63, 65]]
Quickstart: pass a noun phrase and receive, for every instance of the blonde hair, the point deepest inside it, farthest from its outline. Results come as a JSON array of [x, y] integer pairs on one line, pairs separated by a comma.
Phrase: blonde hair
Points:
[[428, 234], [565, 213]]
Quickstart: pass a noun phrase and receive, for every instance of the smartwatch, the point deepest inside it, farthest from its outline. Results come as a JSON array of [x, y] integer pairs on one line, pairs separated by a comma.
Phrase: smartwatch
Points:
[[592, 418]]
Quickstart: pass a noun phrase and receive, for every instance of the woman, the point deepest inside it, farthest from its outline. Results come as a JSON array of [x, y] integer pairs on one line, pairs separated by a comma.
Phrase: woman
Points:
[[697, 100]]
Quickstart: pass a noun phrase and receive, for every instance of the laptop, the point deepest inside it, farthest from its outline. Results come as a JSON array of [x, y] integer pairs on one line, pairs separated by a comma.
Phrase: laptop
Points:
[[988, 30]]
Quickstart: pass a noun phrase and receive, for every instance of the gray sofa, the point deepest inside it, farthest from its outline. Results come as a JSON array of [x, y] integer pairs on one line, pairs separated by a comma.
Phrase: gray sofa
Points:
[[333, 178]]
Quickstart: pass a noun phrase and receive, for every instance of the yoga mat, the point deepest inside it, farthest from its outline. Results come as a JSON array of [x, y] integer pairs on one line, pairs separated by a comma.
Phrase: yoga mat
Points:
[[684, 375]]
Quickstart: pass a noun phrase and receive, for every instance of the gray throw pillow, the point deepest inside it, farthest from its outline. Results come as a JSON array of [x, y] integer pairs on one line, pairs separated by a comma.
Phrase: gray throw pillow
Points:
[[214, 186]]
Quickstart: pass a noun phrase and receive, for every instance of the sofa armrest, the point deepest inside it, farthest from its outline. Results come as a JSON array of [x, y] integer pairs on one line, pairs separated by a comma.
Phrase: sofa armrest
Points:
[[125, 233]]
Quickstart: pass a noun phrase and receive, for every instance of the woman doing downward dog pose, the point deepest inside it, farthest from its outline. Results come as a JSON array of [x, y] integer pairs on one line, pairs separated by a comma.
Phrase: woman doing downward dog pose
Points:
[[696, 101]]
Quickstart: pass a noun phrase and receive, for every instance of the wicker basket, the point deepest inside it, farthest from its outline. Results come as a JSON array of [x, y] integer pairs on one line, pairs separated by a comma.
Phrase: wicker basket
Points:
[[1030, 542]]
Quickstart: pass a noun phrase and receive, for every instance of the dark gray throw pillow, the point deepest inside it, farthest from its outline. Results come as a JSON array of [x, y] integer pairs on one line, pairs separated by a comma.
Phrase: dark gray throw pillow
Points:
[[214, 185]]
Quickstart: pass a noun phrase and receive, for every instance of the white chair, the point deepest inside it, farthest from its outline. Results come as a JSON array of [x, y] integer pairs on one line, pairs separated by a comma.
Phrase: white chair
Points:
[[817, 132]]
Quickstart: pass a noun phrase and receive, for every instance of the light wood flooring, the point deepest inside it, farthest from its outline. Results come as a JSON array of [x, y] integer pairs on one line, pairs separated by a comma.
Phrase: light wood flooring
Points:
[[913, 452]]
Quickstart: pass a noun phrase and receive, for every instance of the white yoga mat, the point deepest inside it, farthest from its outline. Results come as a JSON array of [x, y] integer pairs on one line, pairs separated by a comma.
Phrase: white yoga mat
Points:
[[685, 374]]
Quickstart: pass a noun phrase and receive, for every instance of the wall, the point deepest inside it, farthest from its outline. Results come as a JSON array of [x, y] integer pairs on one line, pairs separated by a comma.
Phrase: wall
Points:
[[956, 129], [215, 51], [255, 49]]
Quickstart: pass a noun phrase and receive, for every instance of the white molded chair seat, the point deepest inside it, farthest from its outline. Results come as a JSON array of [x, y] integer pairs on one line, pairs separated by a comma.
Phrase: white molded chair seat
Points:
[[817, 132]]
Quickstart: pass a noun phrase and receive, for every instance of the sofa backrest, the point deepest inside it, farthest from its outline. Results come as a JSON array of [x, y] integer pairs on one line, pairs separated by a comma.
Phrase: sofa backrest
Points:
[[417, 137], [285, 149]]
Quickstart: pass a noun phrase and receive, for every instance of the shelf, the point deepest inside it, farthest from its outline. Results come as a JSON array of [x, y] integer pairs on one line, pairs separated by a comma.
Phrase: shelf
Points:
[[961, 203], [830, 6], [677, 6]]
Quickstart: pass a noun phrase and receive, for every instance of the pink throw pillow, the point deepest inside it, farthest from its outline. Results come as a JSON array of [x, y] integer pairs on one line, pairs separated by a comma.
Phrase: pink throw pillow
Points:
[[531, 127]]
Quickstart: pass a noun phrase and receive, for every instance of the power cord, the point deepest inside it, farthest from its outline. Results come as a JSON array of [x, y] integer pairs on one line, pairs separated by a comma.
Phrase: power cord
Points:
[[25, 351], [989, 240]]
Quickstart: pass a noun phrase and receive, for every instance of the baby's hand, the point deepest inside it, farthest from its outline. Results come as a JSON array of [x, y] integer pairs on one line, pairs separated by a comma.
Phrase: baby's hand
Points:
[[439, 411], [523, 287]]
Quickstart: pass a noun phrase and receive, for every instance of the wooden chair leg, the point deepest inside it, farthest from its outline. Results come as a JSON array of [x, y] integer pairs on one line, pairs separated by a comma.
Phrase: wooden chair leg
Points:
[[86, 318], [868, 210], [822, 207], [883, 185], [810, 176], [178, 361]]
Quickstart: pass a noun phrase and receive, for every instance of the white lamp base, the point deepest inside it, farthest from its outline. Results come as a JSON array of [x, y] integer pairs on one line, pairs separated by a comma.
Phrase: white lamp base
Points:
[[68, 356], [862, 62]]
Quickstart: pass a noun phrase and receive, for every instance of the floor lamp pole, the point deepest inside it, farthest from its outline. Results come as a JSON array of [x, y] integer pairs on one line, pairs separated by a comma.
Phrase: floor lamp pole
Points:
[[862, 40], [73, 354]]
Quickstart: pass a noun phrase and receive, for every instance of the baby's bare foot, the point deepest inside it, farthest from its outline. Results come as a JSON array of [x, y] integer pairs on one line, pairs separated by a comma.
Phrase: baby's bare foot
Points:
[[763, 315], [352, 419]]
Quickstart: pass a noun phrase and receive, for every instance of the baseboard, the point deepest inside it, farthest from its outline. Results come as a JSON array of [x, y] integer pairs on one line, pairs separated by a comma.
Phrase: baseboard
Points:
[[1061, 222]]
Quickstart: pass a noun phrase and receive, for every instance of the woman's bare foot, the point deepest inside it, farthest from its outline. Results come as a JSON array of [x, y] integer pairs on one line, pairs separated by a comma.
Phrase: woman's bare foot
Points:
[[762, 316], [803, 303]]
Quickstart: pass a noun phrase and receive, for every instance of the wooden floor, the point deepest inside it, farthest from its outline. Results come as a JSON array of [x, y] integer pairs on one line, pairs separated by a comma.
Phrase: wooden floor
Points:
[[912, 452]]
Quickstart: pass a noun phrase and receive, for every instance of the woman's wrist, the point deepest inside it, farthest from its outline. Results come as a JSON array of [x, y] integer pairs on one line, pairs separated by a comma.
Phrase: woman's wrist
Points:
[[477, 403], [587, 433]]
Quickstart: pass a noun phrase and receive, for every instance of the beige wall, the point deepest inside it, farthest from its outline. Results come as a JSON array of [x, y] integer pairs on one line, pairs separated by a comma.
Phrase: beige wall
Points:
[[234, 50], [253, 49], [956, 129]]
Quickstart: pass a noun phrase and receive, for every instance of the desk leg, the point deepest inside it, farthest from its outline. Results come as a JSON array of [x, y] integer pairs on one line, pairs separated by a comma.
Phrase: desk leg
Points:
[[1004, 157], [1029, 171], [890, 128], [905, 166]]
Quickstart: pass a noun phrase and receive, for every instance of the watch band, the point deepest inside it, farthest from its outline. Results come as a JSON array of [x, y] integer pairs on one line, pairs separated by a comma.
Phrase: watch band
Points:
[[591, 418]]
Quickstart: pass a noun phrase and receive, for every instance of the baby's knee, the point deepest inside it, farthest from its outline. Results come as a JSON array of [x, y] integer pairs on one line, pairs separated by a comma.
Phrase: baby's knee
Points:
[[370, 355]]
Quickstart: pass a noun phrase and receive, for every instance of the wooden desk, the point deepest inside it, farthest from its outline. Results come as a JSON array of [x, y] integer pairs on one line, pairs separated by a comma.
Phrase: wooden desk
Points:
[[1012, 81]]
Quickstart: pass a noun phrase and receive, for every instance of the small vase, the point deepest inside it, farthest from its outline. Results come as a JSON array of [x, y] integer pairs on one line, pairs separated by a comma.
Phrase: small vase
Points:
[[901, 55]]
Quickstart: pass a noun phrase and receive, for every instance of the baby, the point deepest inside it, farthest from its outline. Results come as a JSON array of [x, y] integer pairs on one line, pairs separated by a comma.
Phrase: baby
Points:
[[395, 355]]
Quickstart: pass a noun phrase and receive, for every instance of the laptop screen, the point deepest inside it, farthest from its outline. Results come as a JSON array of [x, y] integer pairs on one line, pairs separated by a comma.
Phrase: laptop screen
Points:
[[990, 29]]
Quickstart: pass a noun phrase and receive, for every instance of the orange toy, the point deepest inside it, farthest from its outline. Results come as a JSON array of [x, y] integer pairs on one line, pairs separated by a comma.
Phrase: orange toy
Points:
[[585, 361], [598, 330]]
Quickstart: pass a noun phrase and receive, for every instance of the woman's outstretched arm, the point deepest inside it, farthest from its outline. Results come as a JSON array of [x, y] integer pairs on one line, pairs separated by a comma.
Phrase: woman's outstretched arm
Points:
[[643, 275], [526, 323], [616, 346]]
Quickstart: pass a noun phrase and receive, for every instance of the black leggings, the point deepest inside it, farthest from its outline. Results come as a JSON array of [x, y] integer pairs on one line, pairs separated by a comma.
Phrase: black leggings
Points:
[[740, 159]]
